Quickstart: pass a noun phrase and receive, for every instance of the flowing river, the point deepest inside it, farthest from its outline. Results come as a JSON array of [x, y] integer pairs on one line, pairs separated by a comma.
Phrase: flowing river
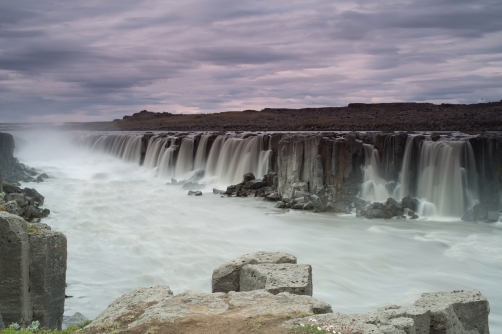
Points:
[[126, 229]]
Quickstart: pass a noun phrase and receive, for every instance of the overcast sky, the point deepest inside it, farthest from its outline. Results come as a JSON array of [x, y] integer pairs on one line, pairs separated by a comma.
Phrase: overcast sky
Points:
[[99, 60]]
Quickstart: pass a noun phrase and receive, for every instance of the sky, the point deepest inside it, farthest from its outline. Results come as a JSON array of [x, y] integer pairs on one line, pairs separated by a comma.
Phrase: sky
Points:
[[93, 60]]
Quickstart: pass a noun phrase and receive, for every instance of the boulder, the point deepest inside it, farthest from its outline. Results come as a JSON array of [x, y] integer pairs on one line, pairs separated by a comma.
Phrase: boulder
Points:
[[480, 212], [280, 205], [144, 309], [451, 312], [277, 278], [410, 203], [255, 184], [73, 320], [492, 216], [456, 312], [195, 193], [10, 188], [248, 177], [273, 197], [297, 206], [469, 216], [20, 199], [12, 208], [33, 193], [227, 276]]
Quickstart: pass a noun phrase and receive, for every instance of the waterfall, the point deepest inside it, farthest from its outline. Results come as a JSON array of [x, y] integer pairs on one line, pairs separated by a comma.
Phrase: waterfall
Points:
[[238, 156], [200, 157], [442, 175], [125, 147], [154, 151], [374, 186], [184, 164]]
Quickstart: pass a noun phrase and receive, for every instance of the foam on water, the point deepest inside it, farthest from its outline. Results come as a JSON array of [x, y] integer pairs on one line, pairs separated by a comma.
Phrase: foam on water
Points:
[[127, 229]]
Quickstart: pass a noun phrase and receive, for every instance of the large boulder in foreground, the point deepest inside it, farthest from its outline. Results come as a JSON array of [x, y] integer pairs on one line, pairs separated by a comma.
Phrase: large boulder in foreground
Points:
[[457, 312], [277, 278], [449, 312], [226, 277], [197, 312]]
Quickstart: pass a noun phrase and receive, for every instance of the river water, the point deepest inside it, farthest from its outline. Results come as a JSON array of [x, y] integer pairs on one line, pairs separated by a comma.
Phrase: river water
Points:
[[126, 229]]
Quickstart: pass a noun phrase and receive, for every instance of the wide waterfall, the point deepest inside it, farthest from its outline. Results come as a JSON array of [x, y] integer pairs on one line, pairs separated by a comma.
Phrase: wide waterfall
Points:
[[225, 159], [441, 174], [125, 147]]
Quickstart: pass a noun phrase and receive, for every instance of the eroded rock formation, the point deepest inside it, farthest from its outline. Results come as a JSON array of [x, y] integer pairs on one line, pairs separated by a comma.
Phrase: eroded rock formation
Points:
[[32, 272]]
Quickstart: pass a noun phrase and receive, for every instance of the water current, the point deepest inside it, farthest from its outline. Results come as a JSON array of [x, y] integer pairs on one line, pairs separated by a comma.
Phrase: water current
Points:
[[126, 229]]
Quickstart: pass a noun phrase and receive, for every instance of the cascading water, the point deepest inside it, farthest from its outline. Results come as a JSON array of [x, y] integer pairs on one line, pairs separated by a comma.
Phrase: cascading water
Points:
[[441, 174], [125, 147], [239, 156], [200, 157], [184, 164], [374, 186], [446, 184]]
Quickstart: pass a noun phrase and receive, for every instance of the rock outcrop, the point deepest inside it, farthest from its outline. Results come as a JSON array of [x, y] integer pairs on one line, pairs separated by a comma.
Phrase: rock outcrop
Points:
[[32, 272], [146, 310], [227, 277], [449, 312], [12, 171]]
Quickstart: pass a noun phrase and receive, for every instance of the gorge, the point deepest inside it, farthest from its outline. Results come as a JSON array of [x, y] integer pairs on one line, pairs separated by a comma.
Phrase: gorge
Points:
[[126, 228]]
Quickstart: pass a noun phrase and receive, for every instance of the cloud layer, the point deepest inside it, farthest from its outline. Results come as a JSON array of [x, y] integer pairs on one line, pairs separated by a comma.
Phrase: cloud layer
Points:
[[89, 61]]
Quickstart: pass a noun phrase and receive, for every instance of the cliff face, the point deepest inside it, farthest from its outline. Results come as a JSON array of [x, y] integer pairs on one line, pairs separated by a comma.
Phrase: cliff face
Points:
[[32, 272], [10, 169]]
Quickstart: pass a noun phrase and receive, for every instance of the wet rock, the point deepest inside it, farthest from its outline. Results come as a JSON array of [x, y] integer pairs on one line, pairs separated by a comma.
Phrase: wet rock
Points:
[[1, 323], [33, 193], [20, 199], [308, 206], [280, 205], [227, 276], [480, 212], [10, 188], [217, 191], [195, 193], [277, 278], [255, 184], [410, 203], [469, 216], [273, 197], [193, 186], [197, 176], [298, 206], [492, 216], [248, 177], [174, 182]]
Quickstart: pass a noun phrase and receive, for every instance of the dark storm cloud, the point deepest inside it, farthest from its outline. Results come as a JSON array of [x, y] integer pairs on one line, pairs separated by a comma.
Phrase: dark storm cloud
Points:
[[100, 60]]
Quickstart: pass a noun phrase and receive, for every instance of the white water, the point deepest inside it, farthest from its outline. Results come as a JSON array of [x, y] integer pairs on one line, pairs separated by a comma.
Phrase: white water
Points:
[[446, 182], [127, 229]]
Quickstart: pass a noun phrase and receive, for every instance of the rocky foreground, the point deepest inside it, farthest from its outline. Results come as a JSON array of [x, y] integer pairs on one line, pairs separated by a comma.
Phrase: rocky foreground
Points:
[[268, 292]]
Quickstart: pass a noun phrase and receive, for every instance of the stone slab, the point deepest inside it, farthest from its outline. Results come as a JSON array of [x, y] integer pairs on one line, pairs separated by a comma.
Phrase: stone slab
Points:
[[227, 276], [277, 278]]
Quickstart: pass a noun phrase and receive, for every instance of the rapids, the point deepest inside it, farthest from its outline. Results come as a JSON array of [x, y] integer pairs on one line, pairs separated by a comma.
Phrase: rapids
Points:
[[126, 228]]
